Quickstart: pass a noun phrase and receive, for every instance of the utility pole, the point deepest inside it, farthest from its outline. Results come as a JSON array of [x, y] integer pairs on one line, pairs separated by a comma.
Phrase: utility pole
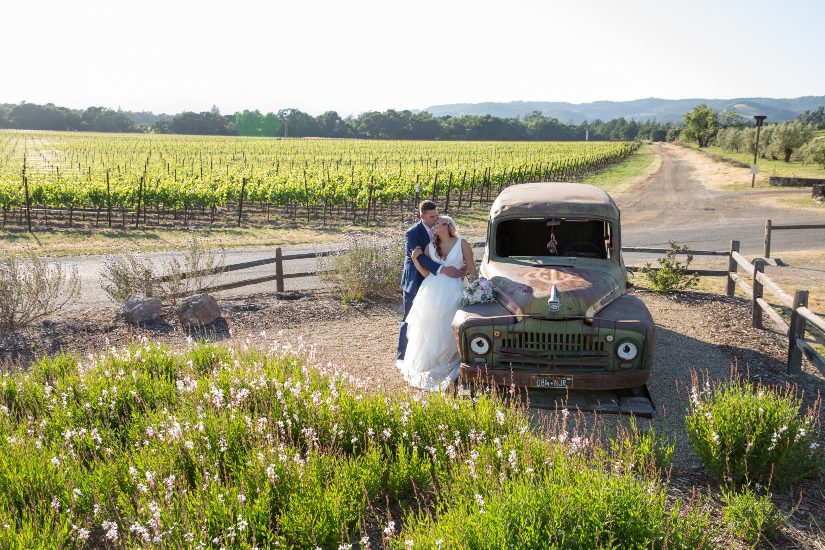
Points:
[[754, 169]]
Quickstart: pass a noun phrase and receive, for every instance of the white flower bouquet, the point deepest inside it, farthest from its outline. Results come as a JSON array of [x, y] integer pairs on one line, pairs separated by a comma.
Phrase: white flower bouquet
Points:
[[480, 291]]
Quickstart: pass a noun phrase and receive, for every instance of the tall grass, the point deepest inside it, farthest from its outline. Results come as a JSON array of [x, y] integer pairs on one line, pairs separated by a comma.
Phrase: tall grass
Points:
[[218, 447]]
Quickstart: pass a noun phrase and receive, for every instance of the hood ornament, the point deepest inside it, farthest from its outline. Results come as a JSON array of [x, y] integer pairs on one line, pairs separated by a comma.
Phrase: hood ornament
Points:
[[553, 303]]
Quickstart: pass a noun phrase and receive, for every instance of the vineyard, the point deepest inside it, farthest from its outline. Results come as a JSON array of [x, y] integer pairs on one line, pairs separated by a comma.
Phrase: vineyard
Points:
[[64, 179]]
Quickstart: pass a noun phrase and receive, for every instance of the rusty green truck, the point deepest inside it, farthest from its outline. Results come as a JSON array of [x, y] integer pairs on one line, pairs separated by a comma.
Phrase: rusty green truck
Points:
[[563, 318]]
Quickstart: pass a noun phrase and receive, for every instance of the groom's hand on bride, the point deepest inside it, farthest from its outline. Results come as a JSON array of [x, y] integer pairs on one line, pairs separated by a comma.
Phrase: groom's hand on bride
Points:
[[451, 271]]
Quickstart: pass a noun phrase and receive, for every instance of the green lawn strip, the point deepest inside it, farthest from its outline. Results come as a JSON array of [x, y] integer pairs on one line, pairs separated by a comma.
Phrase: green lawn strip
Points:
[[805, 202], [635, 169], [220, 447], [77, 242], [767, 167]]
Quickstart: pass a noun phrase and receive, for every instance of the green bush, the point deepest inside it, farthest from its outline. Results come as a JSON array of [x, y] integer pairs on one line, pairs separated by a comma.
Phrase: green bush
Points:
[[750, 516], [365, 267], [672, 275], [744, 433]]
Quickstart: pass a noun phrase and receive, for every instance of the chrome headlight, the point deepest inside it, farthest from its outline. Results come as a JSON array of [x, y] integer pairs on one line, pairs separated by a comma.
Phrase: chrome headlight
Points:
[[479, 344], [627, 350]]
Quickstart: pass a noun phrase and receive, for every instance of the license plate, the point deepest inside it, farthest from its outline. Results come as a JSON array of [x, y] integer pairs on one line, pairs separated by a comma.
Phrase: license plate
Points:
[[553, 382]]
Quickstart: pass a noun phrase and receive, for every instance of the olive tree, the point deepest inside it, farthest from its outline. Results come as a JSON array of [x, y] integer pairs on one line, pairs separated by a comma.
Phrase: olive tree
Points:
[[732, 139], [814, 151], [701, 124], [790, 136]]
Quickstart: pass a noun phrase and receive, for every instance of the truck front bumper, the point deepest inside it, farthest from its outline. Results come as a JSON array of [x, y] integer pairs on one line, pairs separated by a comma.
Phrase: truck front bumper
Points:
[[558, 379]]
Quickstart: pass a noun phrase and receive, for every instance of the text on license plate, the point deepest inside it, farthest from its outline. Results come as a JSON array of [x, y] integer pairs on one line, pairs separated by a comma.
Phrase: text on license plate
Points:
[[559, 382]]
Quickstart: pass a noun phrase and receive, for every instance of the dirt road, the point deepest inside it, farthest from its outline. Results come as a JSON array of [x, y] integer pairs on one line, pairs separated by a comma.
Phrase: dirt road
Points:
[[685, 201]]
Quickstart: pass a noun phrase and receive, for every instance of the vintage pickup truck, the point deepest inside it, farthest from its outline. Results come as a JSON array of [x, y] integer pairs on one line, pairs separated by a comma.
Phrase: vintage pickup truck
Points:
[[562, 318]]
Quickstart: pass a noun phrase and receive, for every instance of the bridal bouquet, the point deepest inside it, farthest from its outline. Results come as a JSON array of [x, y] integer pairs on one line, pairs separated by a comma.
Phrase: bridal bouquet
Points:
[[480, 291]]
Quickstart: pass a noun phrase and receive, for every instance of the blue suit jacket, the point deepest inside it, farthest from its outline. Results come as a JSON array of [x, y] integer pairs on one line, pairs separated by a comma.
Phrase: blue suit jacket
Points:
[[411, 279]]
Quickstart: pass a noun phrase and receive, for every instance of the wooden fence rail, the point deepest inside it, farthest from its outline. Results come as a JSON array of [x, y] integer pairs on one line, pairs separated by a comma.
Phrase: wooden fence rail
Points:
[[754, 285], [769, 228], [800, 315]]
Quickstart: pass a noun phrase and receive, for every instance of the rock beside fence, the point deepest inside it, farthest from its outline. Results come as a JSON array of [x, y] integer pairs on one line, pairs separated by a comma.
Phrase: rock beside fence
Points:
[[794, 182], [141, 309], [818, 192], [198, 310]]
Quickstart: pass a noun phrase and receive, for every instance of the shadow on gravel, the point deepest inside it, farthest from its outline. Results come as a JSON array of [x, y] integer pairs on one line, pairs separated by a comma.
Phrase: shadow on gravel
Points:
[[215, 331], [156, 327]]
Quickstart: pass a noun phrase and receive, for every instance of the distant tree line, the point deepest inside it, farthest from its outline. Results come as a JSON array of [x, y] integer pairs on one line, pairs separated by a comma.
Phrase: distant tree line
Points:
[[388, 124], [29, 116], [733, 132]]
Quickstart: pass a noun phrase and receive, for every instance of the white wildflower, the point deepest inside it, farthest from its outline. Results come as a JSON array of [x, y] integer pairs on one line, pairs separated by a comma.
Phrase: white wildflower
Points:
[[111, 529]]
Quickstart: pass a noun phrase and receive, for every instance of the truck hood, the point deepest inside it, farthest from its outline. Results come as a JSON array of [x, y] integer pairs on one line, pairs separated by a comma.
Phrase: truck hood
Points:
[[552, 292]]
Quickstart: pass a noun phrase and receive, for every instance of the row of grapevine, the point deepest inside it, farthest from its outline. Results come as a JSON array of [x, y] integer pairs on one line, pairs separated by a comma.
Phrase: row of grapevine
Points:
[[173, 174]]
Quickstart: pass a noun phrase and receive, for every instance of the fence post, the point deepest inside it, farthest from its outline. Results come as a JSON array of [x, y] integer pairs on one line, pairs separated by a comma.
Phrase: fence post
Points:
[[279, 270], [796, 330], [447, 200], [108, 200], [758, 267], [732, 267], [768, 239], [139, 199], [240, 201], [28, 200]]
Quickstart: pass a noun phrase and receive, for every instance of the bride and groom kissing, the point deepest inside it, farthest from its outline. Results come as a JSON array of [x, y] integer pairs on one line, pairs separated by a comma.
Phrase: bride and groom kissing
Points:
[[436, 263]]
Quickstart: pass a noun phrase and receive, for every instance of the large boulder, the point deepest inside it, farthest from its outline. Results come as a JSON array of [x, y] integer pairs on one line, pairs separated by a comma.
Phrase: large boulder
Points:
[[141, 309], [198, 310]]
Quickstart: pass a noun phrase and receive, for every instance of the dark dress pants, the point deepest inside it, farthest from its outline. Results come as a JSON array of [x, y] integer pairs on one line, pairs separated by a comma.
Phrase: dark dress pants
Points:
[[402, 335]]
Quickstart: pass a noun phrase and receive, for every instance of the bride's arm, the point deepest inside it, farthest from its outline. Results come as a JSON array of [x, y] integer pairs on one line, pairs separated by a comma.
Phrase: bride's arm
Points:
[[469, 260], [415, 254]]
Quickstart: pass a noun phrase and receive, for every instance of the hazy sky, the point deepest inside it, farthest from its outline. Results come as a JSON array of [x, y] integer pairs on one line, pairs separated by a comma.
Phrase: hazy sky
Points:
[[353, 56]]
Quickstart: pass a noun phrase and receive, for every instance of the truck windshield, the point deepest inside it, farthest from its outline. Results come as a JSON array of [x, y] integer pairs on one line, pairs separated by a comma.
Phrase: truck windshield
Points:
[[554, 237]]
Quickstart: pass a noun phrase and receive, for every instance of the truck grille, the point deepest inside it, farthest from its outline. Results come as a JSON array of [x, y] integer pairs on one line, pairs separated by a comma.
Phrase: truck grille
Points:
[[560, 349], [543, 341]]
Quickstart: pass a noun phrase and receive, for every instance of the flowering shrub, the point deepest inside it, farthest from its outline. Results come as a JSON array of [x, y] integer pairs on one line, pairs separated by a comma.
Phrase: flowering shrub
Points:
[[743, 433], [127, 275], [31, 288], [480, 291], [750, 516], [215, 447], [366, 267]]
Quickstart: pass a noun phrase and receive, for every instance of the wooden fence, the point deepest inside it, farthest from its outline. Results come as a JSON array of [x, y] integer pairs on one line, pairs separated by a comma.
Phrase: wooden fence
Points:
[[769, 228], [800, 315]]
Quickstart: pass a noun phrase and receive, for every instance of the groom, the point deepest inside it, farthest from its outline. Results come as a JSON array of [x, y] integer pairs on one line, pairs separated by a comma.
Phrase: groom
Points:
[[419, 234]]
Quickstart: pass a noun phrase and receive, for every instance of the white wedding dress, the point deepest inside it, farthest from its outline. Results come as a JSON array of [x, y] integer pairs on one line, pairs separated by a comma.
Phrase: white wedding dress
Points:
[[431, 360]]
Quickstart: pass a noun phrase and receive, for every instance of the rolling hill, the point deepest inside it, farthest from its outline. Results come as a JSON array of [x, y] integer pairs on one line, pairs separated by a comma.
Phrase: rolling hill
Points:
[[661, 110]]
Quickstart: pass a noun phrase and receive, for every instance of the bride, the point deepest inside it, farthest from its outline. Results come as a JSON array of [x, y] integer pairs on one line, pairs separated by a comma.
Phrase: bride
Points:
[[432, 360]]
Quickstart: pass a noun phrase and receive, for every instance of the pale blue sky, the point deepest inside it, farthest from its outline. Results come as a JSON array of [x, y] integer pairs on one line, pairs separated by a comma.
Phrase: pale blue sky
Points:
[[362, 55]]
